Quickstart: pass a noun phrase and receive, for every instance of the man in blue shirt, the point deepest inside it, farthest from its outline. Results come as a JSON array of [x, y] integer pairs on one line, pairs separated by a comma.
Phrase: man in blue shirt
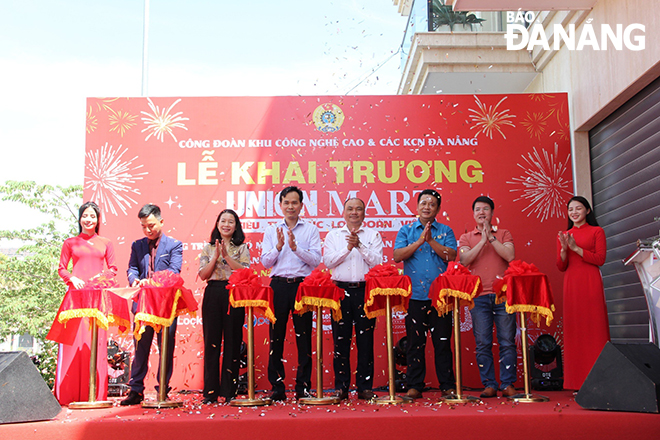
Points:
[[425, 247]]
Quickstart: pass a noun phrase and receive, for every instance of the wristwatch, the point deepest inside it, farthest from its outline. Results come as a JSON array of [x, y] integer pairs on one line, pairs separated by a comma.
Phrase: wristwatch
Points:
[[492, 239]]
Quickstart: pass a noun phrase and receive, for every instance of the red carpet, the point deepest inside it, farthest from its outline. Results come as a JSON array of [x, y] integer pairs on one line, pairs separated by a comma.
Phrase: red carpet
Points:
[[495, 418]]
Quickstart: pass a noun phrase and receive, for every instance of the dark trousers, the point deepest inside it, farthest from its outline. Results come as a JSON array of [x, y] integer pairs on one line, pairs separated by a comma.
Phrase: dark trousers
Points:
[[218, 318], [284, 298], [421, 318], [140, 365], [352, 310]]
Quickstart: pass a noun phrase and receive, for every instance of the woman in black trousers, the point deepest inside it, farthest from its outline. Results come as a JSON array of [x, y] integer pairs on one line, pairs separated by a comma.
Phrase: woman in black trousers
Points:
[[225, 252]]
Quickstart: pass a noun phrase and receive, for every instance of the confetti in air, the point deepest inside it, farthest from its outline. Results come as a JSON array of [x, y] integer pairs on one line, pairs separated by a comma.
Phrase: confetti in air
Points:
[[466, 325], [110, 178], [161, 121], [543, 184], [487, 119]]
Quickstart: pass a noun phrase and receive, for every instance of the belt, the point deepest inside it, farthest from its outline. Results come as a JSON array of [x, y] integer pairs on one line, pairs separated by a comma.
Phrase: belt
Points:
[[350, 284], [217, 281], [288, 280]]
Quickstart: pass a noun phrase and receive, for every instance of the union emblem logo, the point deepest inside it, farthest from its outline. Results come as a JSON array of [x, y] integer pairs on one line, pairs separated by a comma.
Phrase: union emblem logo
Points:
[[328, 118]]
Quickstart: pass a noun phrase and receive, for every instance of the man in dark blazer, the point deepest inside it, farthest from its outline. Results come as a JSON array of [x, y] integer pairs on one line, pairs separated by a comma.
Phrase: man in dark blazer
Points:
[[151, 254]]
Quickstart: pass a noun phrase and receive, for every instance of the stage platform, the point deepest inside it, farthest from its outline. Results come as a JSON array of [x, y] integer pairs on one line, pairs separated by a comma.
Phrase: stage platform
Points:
[[560, 418]]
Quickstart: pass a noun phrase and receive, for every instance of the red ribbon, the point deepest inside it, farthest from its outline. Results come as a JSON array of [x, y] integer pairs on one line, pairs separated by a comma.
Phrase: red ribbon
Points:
[[516, 267], [165, 278], [457, 269], [244, 278], [382, 270], [317, 278], [105, 280], [525, 289]]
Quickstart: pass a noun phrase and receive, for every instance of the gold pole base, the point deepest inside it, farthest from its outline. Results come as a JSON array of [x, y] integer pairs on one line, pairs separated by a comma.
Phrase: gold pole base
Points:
[[396, 400], [162, 404], [251, 402], [528, 398], [91, 405], [462, 398], [329, 400]]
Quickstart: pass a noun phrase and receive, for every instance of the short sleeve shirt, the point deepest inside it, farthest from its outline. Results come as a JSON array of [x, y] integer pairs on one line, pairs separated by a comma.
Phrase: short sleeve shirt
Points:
[[222, 270], [488, 264], [425, 264]]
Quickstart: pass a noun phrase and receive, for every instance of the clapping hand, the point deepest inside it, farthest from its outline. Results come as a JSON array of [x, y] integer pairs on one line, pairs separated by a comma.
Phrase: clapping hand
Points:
[[292, 240], [223, 249], [280, 239], [353, 240], [563, 240], [571, 243], [217, 251], [485, 230], [428, 236]]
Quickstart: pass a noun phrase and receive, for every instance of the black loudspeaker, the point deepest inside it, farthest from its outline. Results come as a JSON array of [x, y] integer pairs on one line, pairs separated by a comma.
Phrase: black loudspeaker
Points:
[[546, 364], [24, 395], [625, 377]]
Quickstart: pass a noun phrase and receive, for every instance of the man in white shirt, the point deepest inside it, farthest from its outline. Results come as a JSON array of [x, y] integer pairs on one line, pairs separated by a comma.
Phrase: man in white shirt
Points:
[[291, 249], [350, 252]]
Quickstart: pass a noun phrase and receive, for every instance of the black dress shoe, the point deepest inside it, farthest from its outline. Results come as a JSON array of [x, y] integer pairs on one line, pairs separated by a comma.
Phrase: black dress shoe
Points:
[[209, 401], [302, 394], [414, 394], [341, 394], [278, 396], [448, 392], [134, 398], [366, 395]]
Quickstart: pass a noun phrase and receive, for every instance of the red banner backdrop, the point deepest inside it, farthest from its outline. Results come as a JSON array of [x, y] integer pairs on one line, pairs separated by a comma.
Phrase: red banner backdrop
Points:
[[196, 156]]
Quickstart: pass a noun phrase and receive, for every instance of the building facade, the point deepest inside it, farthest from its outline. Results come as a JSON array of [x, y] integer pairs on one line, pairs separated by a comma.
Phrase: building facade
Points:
[[611, 72]]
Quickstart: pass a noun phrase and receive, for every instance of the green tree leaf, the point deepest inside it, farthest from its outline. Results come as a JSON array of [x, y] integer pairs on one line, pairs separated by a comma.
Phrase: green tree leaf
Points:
[[30, 288]]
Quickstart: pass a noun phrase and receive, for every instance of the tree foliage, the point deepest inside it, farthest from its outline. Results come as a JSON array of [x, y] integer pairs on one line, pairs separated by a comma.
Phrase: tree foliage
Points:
[[444, 15], [30, 288]]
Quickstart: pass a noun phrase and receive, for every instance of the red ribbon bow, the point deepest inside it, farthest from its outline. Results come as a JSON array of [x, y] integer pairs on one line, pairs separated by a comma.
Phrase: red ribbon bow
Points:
[[457, 269], [382, 270], [104, 280], [165, 278], [518, 267], [317, 278], [244, 277]]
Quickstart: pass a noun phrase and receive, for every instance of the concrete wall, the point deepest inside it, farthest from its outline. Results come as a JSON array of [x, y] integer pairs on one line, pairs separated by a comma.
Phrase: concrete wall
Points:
[[598, 82]]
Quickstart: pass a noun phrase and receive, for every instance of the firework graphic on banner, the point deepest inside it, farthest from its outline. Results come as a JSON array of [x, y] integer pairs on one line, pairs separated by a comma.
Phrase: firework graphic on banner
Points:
[[535, 123], [543, 185], [104, 103], [161, 122], [488, 119], [121, 121], [111, 178], [92, 122]]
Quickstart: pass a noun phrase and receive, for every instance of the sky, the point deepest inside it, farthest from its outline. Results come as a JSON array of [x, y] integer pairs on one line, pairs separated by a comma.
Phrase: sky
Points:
[[56, 53]]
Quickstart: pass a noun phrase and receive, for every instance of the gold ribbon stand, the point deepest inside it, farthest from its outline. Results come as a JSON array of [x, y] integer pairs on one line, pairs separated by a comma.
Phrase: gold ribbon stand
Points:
[[162, 401], [392, 398], [459, 397], [251, 400], [526, 397], [319, 399], [92, 403]]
